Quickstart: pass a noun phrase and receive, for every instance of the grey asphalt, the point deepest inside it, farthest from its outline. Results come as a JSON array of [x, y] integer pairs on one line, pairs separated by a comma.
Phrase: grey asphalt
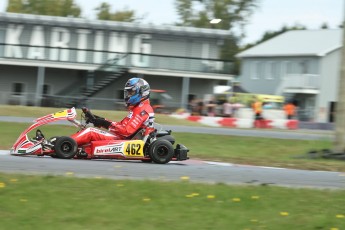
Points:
[[197, 171]]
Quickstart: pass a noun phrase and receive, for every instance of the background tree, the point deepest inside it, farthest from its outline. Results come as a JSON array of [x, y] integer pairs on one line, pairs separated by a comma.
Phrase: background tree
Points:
[[62, 8], [125, 15], [233, 13]]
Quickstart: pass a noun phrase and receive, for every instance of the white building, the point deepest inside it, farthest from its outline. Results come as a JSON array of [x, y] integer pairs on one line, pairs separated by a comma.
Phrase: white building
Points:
[[303, 65]]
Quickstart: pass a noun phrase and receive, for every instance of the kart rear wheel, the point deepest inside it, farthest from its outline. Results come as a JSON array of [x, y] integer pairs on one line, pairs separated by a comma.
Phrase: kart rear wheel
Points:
[[52, 140], [65, 147], [161, 151]]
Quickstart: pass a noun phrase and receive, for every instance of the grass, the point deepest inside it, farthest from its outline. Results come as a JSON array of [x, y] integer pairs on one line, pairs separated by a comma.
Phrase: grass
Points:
[[49, 202]]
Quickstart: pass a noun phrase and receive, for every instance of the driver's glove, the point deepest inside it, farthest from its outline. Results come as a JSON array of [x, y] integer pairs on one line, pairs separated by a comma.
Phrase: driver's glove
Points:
[[101, 122]]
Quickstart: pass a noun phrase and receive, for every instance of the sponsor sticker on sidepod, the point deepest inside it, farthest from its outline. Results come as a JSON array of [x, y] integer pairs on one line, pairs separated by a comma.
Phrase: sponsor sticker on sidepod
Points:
[[109, 149]]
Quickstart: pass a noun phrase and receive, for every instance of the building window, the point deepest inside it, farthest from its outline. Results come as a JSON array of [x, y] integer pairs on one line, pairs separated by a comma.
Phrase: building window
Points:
[[268, 71], [254, 70], [17, 89], [46, 89], [272, 70]]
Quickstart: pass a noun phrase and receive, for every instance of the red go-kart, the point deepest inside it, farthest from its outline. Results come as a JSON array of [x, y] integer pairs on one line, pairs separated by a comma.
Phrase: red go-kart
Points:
[[148, 144]]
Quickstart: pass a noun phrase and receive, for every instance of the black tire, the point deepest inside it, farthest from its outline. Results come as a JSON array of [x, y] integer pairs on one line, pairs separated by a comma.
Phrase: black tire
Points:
[[161, 151], [53, 141], [65, 147], [146, 160], [169, 138]]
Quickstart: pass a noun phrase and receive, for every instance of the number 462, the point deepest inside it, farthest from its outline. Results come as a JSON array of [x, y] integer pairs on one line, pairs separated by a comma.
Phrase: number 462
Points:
[[133, 149]]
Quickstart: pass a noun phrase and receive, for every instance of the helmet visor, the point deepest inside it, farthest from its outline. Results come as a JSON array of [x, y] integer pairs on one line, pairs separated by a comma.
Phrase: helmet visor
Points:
[[129, 92]]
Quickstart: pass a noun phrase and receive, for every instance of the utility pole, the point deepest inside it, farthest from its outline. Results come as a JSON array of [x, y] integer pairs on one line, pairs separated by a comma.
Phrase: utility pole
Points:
[[339, 143]]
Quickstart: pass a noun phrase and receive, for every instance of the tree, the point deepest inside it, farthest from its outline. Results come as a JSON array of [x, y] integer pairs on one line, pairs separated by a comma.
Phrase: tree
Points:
[[233, 14], [62, 8], [125, 15]]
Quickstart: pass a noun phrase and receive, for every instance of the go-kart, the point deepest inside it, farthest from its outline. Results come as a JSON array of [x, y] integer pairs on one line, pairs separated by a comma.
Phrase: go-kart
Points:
[[147, 144]]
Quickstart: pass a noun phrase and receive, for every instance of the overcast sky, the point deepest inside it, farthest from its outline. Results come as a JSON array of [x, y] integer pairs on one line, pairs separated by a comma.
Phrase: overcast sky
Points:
[[271, 14]]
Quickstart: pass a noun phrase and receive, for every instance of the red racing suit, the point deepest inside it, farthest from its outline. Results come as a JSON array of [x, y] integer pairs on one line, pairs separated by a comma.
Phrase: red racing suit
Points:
[[139, 115]]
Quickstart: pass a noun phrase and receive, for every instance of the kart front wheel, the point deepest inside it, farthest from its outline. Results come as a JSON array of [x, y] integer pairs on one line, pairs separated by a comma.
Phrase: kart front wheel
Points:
[[65, 147], [161, 151]]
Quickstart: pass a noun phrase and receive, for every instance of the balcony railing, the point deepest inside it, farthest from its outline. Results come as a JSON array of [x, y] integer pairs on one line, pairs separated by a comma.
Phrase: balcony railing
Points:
[[299, 82], [305, 81]]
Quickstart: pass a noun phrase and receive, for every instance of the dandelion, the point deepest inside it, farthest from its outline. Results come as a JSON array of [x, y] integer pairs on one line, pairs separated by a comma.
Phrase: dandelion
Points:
[[2, 185], [284, 213], [120, 185], [255, 197], [184, 177], [236, 199], [69, 173], [211, 196], [13, 180], [340, 216], [146, 199]]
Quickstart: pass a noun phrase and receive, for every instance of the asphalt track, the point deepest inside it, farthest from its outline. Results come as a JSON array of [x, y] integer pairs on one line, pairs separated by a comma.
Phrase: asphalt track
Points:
[[192, 170]]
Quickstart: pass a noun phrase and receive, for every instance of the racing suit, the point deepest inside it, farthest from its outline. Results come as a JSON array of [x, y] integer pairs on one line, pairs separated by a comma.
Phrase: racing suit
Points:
[[139, 115]]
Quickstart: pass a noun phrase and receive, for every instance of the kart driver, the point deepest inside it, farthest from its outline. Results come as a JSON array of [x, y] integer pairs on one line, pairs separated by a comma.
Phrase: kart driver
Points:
[[136, 96]]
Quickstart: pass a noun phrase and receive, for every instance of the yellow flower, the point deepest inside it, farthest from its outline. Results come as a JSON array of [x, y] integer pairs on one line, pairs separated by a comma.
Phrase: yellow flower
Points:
[[284, 213], [146, 199], [69, 173], [184, 177], [255, 197], [2, 185], [340, 216], [236, 199], [211, 196], [13, 180]]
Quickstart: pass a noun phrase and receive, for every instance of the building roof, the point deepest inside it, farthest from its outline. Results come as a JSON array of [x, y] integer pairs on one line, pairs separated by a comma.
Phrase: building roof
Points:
[[298, 43], [113, 25]]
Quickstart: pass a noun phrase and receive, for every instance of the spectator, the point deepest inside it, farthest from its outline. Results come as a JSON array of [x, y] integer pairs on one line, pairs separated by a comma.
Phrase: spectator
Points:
[[211, 108], [257, 108], [227, 109], [289, 109]]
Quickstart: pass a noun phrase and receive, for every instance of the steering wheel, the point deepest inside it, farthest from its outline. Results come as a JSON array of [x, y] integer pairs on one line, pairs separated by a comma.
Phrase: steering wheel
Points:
[[89, 116]]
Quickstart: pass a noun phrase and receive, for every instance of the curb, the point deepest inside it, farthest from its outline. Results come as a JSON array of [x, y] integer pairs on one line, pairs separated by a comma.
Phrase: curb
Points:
[[239, 122]]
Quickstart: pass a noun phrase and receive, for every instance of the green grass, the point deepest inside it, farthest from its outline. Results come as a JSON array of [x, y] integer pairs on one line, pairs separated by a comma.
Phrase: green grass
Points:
[[49, 202]]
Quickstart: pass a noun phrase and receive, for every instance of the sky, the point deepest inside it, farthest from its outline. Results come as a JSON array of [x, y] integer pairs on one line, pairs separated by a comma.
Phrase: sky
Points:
[[271, 15]]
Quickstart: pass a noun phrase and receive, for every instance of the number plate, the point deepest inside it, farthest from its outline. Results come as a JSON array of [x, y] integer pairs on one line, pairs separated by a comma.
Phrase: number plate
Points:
[[134, 148]]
